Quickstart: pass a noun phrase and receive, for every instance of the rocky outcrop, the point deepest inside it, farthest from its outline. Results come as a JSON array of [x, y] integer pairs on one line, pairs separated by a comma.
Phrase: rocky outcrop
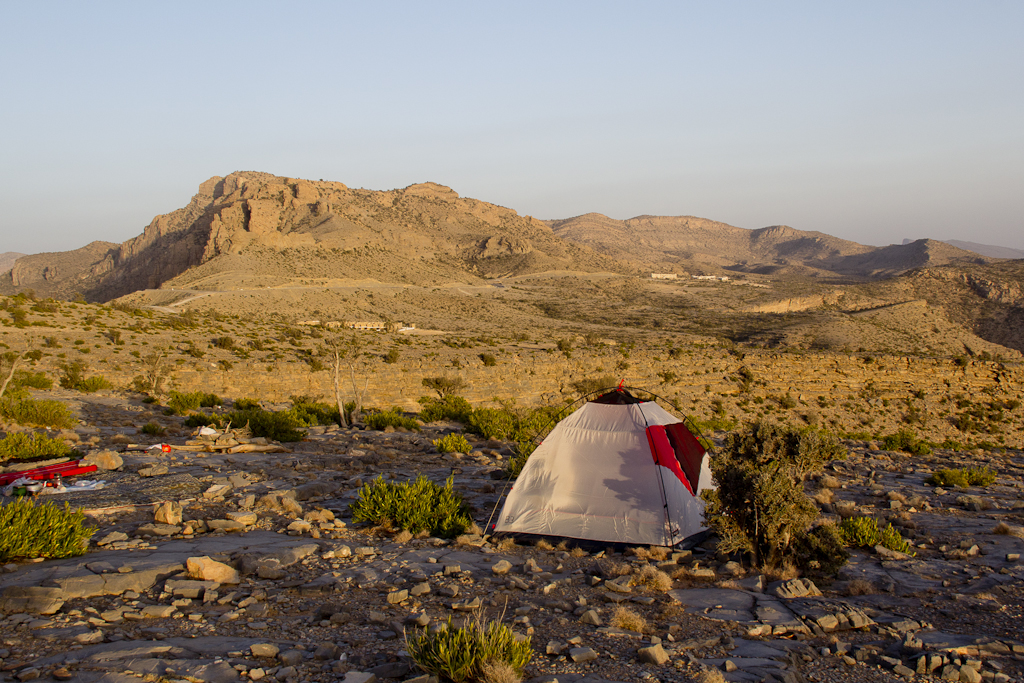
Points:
[[245, 221]]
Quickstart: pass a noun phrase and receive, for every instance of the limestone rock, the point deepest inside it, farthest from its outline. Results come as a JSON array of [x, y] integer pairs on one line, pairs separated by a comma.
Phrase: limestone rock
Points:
[[104, 460], [207, 569], [654, 654], [169, 512]]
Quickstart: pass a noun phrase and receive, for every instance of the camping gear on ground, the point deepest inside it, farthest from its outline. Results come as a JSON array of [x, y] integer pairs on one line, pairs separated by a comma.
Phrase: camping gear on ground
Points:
[[62, 469], [619, 469]]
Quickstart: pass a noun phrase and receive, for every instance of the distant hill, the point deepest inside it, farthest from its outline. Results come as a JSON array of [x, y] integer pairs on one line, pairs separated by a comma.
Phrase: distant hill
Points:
[[697, 244], [987, 249], [7, 260]]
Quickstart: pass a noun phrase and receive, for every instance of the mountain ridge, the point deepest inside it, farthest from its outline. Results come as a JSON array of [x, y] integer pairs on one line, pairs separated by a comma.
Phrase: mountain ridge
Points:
[[255, 229]]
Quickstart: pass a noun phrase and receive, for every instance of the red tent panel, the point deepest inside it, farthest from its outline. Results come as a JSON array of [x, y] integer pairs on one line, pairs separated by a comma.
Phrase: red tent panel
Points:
[[675, 448]]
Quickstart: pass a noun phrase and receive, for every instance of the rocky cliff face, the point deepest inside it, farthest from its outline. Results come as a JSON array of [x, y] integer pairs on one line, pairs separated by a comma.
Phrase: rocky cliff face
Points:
[[246, 220]]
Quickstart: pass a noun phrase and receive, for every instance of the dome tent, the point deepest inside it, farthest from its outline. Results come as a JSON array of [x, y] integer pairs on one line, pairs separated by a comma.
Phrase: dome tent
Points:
[[619, 469]]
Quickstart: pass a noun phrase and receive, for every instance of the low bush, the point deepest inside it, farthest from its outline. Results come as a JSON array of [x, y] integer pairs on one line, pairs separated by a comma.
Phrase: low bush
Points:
[[906, 440], [246, 404], [864, 532], [183, 403], [28, 531], [21, 446], [153, 429], [94, 383], [390, 418], [448, 408], [21, 409], [510, 422], [445, 385], [452, 443], [279, 426], [311, 413], [488, 360], [418, 505], [35, 380], [963, 477], [465, 654], [821, 550]]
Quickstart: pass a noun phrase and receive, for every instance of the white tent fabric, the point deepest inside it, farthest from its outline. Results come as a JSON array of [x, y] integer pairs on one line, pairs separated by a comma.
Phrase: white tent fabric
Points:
[[594, 477]]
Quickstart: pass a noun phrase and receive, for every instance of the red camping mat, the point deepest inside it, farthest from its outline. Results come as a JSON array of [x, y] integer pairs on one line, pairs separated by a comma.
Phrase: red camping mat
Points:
[[64, 469], [676, 448]]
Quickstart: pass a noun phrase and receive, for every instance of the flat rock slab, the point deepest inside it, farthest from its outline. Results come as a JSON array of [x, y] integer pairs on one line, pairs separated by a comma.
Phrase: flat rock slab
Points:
[[758, 649], [170, 648], [718, 603]]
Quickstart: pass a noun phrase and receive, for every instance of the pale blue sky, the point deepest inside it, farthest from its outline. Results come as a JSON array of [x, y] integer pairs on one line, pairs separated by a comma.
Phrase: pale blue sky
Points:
[[871, 121]]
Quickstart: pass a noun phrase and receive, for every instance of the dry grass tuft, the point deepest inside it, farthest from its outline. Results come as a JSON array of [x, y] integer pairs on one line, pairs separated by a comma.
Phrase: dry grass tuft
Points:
[[845, 508], [120, 439], [823, 496], [897, 496], [475, 529], [403, 536], [827, 481], [422, 534], [861, 587], [506, 543], [611, 568], [563, 545], [497, 671], [709, 675], [730, 584], [783, 572], [653, 578], [628, 619], [578, 552], [542, 544], [1004, 529]]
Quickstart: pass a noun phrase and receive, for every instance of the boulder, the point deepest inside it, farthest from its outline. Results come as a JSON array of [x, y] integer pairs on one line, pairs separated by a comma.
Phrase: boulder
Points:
[[207, 569], [104, 460], [168, 512]]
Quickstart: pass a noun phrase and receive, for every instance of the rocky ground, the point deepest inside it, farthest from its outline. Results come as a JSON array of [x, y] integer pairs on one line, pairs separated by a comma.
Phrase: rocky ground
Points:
[[217, 566]]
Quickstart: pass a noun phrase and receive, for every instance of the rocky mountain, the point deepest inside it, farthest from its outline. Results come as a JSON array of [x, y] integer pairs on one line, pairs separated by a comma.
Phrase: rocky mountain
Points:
[[990, 250], [697, 244], [7, 260], [252, 229]]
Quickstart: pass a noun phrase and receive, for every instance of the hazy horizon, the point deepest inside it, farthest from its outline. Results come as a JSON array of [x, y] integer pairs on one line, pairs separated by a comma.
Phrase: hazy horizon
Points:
[[871, 122]]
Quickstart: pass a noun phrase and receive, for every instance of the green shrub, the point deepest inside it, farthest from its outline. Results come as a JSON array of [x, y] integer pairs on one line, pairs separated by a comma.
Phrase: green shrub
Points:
[[246, 404], [73, 377], [309, 413], [21, 446], [419, 505], [462, 654], [94, 383], [760, 505], [183, 403], [906, 440], [390, 418], [204, 420], [226, 342], [590, 385], [445, 385], [521, 453], [28, 530], [153, 429], [448, 408], [392, 356], [510, 422], [863, 532], [279, 426], [963, 477], [488, 360], [452, 443], [821, 550], [35, 380], [714, 424], [24, 410]]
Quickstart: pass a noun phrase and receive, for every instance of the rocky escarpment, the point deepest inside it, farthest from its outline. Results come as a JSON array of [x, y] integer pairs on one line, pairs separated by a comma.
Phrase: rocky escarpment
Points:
[[264, 225]]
